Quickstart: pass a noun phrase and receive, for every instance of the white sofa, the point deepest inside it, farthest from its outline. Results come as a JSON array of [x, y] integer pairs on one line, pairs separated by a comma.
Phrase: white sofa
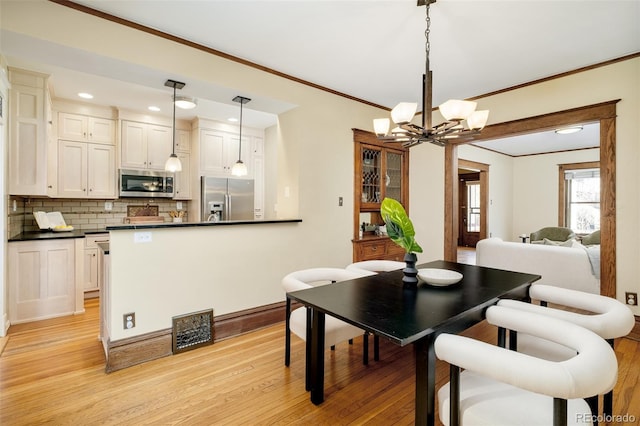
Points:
[[568, 267]]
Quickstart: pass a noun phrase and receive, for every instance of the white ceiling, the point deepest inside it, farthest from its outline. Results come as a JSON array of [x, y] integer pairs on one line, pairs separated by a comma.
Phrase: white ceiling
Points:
[[372, 50]]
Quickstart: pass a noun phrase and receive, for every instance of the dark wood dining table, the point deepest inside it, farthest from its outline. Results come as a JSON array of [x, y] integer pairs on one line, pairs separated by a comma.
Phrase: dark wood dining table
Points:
[[382, 305]]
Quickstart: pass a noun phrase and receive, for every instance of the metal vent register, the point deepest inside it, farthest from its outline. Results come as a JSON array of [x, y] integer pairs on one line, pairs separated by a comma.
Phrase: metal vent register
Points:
[[192, 331]]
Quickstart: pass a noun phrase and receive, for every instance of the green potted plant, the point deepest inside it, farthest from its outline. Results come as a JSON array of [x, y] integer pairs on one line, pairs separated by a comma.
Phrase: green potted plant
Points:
[[400, 230]]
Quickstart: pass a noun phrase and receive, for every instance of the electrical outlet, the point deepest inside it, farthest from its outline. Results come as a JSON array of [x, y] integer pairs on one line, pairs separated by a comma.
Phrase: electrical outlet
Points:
[[340, 201], [129, 320], [631, 298], [108, 206]]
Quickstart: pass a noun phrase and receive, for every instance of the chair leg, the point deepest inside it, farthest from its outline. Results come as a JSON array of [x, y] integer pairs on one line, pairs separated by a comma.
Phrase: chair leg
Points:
[[607, 401], [454, 395], [333, 347], [365, 348], [351, 341], [376, 347], [287, 334], [559, 412]]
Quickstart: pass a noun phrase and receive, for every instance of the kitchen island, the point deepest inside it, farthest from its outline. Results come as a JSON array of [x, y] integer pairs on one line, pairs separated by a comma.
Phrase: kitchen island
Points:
[[161, 271]]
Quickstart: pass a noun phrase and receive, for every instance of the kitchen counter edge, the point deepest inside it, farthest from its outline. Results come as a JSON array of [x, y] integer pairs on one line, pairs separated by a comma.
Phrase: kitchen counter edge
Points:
[[197, 224], [50, 235]]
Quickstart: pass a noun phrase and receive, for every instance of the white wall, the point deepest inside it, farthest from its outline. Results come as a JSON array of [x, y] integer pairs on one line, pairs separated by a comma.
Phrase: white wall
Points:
[[501, 188], [4, 130], [535, 181]]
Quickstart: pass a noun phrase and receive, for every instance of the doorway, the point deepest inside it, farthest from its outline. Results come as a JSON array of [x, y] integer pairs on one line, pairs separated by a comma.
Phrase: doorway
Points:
[[605, 114], [473, 198]]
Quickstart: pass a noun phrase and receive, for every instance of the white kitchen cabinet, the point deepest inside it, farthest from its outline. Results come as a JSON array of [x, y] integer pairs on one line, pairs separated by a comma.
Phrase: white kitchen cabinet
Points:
[[86, 170], [84, 128], [29, 127], [42, 279], [183, 178], [183, 140], [219, 152], [91, 282], [145, 146]]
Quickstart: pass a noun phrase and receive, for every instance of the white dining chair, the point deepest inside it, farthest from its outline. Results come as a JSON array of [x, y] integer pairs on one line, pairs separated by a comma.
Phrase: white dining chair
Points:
[[376, 265], [605, 316], [336, 331], [500, 386]]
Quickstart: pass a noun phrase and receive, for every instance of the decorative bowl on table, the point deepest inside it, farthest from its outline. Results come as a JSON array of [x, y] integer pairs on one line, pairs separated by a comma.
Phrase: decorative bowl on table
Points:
[[439, 277]]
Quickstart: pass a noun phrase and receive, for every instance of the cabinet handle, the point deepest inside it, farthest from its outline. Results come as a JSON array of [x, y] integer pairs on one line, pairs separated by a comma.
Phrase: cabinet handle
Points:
[[50, 186]]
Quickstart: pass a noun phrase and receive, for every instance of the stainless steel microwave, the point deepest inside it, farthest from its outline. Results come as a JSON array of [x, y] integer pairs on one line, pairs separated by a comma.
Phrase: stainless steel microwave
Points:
[[146, 183]]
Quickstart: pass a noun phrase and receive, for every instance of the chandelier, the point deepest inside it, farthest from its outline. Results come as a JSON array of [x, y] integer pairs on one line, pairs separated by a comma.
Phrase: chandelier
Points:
[[456, 113]]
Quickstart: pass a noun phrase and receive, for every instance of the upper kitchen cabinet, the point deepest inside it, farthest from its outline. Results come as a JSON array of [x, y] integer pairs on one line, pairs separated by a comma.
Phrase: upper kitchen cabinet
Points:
[[86, 170], [82, 128], [29, 132], [219, 152], [145, 146]]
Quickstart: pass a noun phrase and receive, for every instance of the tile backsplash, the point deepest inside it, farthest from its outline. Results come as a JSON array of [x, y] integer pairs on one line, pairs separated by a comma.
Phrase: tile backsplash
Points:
[[81, 214]]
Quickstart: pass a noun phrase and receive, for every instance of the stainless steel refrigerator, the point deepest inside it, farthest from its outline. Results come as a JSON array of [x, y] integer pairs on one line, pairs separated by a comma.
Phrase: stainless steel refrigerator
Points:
[[227, 199]]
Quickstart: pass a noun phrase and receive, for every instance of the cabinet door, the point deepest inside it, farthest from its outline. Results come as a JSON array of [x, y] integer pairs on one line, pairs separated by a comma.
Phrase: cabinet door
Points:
[[90, 276], [183, 178], [27, 142], [101, 173], [371, 163], [393, 175], [183, 140], [41, 279], [101, 130], [159, 140], [212, 153], [72, 127], [72, 169], [134, 145]]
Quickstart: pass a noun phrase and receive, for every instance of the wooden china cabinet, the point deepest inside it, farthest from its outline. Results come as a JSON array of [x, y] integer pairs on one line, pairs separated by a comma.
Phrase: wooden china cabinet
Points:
[[381, 170]]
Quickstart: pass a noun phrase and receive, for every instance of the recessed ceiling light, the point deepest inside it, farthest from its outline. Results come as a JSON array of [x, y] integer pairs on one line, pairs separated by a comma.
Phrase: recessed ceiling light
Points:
[[85, 95], [154, 108], [233, 119], [568, 130]]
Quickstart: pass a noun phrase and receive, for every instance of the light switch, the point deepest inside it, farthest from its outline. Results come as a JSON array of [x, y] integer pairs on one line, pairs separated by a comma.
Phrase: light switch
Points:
[[108, 206], [179, 205]]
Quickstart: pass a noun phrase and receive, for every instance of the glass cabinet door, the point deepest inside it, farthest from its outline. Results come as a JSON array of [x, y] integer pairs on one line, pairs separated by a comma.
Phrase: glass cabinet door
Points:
[[371, 175], [393, 176]]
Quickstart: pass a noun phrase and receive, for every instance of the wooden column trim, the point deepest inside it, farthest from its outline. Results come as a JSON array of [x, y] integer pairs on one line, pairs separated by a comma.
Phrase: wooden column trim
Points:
[[605, 114], [451, 203]]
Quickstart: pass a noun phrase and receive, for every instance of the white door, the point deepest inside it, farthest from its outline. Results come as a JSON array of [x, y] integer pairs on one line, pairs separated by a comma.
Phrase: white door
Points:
[[72, 169], [101, 177], [159, 140], [134, 145]]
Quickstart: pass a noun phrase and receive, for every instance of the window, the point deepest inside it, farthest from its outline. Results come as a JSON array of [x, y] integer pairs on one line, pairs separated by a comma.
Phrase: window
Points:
[[582, 199], [473, 201]]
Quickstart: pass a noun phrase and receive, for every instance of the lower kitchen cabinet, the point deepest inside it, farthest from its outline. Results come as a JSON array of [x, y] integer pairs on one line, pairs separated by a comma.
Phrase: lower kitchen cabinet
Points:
[[42, 279], [91, 281]]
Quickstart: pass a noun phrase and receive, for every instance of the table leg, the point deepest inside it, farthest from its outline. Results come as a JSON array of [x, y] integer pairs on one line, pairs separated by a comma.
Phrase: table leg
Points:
[[316, 367], [425, 381]]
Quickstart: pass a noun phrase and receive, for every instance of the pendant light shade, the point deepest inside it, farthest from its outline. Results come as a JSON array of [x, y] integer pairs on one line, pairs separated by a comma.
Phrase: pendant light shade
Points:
[[173, 163], [239, 168]]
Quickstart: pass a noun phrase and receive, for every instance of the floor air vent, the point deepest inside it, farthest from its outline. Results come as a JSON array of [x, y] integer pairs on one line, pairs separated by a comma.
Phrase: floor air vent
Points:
[[192, 331]]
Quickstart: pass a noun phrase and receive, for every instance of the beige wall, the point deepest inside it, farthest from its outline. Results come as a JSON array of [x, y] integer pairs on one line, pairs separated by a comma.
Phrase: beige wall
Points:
[[617, 81], [314, 153]]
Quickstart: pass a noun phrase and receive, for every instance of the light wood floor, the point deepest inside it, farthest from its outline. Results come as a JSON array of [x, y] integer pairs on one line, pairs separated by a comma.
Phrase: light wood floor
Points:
[[52, 372]]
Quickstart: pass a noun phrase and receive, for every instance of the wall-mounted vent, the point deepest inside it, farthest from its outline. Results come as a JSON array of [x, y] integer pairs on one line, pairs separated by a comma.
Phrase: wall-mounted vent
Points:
[[192, 331]]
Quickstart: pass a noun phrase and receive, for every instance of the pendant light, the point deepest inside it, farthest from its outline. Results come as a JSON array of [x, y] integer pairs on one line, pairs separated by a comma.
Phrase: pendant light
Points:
[[239, 168], [173, 164]]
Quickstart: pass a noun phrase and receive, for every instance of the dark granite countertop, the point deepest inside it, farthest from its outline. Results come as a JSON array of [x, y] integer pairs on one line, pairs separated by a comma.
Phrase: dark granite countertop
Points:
[[50, 235], [194, 224]]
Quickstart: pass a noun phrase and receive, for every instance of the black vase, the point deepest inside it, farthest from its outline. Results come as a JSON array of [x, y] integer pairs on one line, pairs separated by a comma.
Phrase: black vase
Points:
[[410, 277]]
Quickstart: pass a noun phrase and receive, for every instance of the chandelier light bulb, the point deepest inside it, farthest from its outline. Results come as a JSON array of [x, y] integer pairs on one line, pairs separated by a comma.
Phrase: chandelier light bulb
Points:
[[455, 109], [478, 119], [381, 126], [403, 112]]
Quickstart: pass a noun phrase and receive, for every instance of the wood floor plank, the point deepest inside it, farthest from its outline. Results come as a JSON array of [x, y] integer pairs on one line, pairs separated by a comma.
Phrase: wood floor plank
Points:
[[52, 372]]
